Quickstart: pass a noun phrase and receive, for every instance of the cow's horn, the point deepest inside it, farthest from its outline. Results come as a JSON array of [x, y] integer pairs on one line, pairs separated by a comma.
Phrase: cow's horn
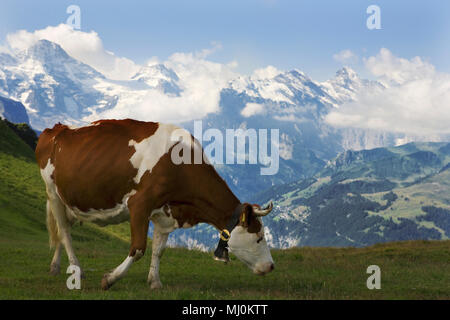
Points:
[[263, 212]]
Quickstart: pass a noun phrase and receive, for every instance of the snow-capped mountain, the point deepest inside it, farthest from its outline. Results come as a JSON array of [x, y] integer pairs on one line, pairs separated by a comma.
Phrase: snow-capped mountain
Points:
[[296, 105], [160, 77], [55, 87], [52, 86], [346, 84], [292, 87]]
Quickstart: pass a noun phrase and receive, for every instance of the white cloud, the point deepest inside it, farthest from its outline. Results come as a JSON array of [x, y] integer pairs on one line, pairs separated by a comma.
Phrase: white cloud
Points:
[[268, 72], [416, 99], [201, 82], [346, 57], [152, 61], [252, 109], [86, 47], [204, 53], [5, 49], [394, 70]]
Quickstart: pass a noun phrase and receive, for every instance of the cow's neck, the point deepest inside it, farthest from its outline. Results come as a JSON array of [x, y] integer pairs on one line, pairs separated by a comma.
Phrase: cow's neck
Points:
[[211, 196]]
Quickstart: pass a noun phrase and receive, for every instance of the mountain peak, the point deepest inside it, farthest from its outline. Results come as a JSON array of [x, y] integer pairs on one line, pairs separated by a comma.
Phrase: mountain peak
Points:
[[294, 74], [159, 71], [345, 85], [347, 73], [46, 50], [158, 75]]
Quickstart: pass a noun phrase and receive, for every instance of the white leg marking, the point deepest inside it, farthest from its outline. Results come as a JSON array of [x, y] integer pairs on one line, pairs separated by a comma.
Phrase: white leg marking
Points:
[[59, 213], [118, 273], [121, 270], [158, 245]]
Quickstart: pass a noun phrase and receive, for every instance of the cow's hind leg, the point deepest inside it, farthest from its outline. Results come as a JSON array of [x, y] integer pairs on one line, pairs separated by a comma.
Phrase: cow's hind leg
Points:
[[158, 246], [58, 211], [56, 261], [139, 228], [55, 241]]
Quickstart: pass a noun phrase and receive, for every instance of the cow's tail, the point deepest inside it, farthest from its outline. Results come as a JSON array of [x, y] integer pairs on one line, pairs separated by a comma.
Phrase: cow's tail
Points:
[[52, 227]]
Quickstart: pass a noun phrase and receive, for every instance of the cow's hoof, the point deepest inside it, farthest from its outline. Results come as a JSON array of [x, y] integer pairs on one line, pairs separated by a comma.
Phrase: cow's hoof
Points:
[[105, 284], [55, 269], [156, 285]]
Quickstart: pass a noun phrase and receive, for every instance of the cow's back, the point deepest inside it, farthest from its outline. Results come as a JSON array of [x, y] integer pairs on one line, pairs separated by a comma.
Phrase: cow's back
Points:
[[92, 168]]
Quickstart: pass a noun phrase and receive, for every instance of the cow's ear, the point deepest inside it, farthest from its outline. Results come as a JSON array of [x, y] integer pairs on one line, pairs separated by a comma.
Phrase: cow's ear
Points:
[[246, 214]]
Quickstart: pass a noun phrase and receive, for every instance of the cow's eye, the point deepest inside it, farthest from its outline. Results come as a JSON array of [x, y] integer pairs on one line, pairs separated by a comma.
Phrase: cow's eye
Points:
[[259, 239]]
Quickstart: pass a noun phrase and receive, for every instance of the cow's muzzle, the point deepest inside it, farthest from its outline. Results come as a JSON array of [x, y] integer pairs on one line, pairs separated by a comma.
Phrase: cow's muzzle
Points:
[[263, 268]]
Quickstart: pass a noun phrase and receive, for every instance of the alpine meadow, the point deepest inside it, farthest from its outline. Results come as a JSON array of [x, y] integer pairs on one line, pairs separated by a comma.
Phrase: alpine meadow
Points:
[[410, 269]]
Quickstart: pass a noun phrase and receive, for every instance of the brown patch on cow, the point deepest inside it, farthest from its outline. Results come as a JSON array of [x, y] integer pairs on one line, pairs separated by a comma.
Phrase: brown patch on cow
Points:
[[93, 171], [249, 220]]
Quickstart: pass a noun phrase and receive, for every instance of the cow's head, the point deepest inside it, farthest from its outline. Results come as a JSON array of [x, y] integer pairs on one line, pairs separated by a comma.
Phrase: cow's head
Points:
[[246, 240]]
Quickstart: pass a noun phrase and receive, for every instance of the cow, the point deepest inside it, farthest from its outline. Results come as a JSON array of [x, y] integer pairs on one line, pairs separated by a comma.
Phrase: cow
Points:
[[112, 171]]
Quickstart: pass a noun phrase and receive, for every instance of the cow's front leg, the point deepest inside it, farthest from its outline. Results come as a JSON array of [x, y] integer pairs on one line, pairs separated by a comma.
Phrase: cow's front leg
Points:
[[158, 245], [110, 278], [139, 229]]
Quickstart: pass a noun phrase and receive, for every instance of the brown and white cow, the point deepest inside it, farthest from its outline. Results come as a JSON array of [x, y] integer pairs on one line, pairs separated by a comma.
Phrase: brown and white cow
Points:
[[117, 170]]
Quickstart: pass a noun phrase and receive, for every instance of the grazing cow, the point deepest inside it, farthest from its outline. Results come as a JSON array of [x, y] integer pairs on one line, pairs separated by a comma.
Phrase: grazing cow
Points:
[[117, 170]]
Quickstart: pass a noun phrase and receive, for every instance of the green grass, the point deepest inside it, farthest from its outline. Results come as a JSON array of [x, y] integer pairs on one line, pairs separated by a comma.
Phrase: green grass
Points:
[[409, 270]]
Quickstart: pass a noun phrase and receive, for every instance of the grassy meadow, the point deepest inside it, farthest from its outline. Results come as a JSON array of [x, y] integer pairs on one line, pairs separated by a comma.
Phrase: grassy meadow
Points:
[[409, 270]]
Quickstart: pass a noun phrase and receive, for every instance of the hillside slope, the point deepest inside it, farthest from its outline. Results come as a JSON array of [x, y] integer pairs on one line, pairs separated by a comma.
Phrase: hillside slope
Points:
[[412, 270], [13, 111], [365, 197]]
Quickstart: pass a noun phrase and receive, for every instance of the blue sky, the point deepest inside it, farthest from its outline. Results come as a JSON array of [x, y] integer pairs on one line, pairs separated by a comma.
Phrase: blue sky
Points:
[[285, 34]]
